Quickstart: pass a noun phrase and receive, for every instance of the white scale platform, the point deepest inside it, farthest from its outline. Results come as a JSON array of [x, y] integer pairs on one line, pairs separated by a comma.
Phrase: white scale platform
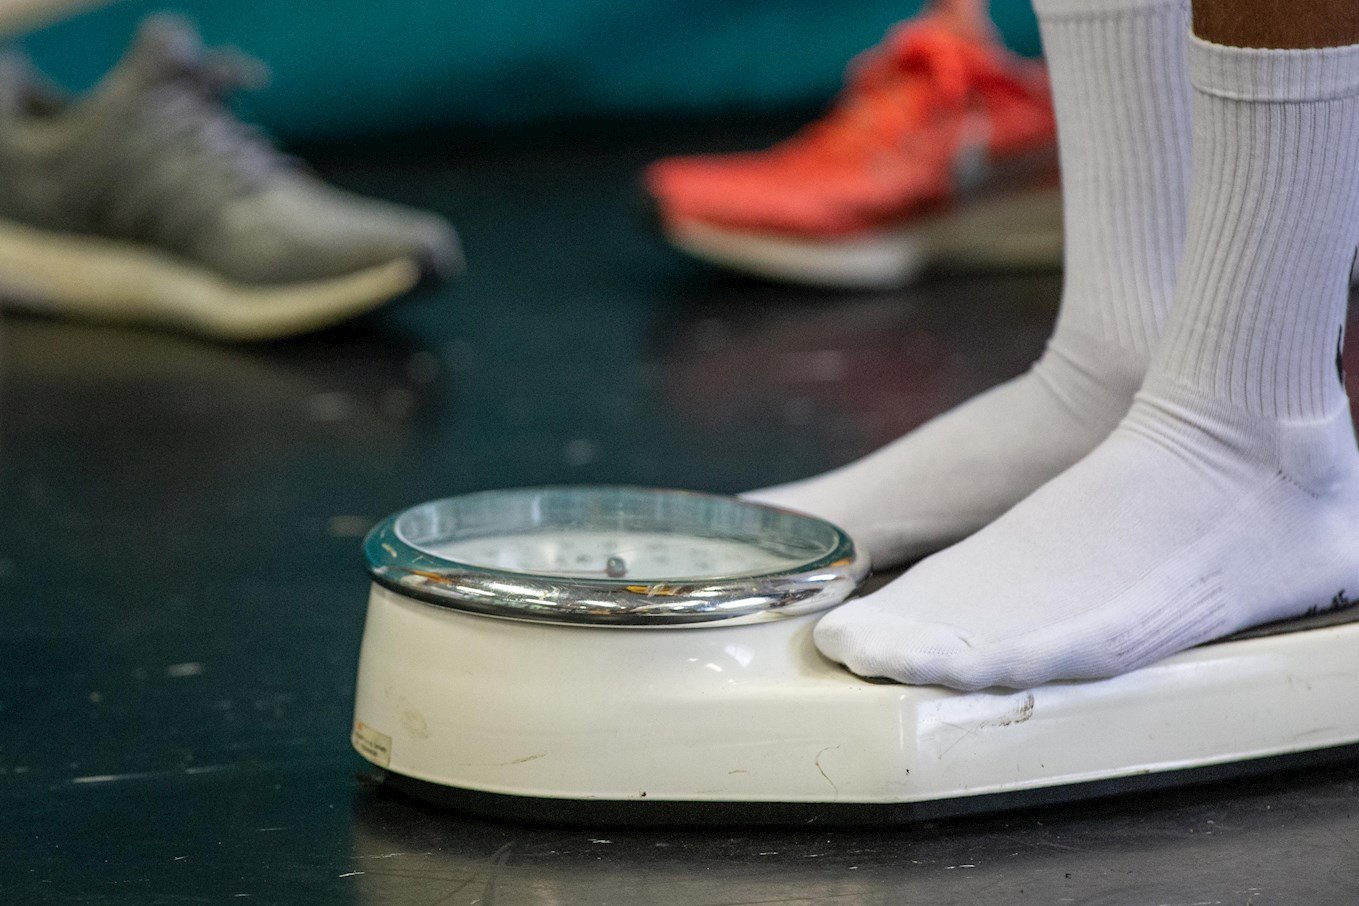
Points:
[[751, 722]]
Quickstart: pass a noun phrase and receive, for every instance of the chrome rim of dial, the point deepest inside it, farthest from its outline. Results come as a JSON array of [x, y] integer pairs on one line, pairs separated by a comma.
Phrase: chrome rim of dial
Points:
[[614, 556]]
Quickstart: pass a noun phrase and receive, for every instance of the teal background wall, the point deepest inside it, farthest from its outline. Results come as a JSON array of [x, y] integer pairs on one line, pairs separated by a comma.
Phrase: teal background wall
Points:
[[345, 67]]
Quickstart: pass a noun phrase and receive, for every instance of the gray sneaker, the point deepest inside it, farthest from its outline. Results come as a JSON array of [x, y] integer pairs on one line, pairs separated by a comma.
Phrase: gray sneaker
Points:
[[147, 201]]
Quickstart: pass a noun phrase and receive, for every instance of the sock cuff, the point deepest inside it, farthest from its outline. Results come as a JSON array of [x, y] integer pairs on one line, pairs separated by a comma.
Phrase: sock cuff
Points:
[[1271, 74], [1100, 9]]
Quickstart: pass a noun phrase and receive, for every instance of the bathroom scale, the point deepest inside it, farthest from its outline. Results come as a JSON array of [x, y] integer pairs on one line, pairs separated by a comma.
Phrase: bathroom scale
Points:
[[635, 655]]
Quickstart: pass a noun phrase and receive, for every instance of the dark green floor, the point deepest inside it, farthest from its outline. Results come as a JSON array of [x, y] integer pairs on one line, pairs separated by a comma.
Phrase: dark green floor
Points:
[[182, 597]]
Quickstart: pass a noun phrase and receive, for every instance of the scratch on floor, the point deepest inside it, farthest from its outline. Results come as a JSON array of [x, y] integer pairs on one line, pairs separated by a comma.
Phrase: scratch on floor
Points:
[[90, 779], [498, 862], [395, 855]]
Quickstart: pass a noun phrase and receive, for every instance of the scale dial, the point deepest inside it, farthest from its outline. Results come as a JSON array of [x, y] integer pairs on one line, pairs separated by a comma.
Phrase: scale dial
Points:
[[614, 556], [639, 556]]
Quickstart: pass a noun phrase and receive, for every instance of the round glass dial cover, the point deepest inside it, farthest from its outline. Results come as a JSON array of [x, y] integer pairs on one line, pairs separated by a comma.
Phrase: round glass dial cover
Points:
[[614, 555]]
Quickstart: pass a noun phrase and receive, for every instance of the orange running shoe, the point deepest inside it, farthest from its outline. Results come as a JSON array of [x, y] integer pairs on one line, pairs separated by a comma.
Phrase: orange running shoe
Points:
[[942, 149]]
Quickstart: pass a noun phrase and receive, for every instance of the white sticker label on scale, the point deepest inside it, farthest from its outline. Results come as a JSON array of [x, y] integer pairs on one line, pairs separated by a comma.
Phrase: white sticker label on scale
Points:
[[375, 746]]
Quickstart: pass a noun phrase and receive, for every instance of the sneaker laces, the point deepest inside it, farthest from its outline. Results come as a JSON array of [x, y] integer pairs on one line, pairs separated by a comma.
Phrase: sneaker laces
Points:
[[190, 154], [922, 70], [191, 109]]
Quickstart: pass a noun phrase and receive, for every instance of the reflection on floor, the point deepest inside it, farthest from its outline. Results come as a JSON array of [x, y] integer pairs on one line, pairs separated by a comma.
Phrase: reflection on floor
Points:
[[182, 593]]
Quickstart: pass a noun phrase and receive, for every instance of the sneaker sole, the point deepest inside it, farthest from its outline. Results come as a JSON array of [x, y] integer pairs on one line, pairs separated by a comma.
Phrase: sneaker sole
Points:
[[1017, 231], [102, 280]]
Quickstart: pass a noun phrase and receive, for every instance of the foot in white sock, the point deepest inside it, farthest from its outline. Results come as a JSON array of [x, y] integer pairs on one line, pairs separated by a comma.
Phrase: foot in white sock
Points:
[[1122, 97], [1229, 496]]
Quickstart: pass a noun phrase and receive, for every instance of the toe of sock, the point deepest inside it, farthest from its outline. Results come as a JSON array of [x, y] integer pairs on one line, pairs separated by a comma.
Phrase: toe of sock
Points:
[[873, 642]]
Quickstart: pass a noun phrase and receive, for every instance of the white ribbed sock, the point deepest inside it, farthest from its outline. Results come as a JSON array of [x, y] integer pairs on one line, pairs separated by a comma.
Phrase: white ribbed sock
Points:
[[1229, 496], [1122, 95]]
